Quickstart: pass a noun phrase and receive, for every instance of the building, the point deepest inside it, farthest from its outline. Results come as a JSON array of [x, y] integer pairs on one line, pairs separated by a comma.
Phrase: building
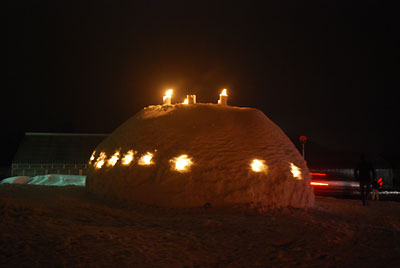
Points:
[[54, 153]]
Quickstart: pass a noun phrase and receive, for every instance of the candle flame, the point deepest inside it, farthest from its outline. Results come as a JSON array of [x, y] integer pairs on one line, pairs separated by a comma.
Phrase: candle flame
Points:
[[168, 94], [223, 93], [186, 101]]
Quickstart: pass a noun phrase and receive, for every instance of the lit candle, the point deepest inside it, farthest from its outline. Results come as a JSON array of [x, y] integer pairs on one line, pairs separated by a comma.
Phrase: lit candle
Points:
[[167, 97], [191, 99], [223, 98]]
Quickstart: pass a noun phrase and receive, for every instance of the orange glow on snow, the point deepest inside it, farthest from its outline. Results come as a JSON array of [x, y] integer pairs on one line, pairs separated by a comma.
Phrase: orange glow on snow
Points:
[[92, 157], [146, 159], [100, 160], [128, 157], [181, 163], [113, 160], [258, 165], [295, 171]]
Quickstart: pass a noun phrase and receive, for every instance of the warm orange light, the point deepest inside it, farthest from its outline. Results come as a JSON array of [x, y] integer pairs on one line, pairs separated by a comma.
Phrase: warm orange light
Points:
[[181, 163], [223, 97], [295, 171], [168, 96], [186, 101], [100, 160], [92, 157], [113, 159], [128, 157], [258, 165], [146, 159], [318, 183]]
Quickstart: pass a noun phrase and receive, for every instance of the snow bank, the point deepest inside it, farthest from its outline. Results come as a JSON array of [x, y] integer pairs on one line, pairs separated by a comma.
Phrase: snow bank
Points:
[[49, 179], [221, 141]]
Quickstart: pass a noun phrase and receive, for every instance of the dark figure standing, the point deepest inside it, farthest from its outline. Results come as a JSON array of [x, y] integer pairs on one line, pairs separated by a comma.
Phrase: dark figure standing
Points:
[[364, 173]]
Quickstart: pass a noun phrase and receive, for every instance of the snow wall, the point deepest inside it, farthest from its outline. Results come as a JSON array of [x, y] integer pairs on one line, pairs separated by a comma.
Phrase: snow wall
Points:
[[221, 142]]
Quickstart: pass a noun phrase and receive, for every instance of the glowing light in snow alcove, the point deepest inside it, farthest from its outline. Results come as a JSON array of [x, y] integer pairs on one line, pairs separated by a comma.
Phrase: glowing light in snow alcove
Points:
[[128, 158], [113, 160], [181, 163], [168, 96], [100, 160], [92, 157], [146, 159], [258, 165], [295, 171], [186, 101]]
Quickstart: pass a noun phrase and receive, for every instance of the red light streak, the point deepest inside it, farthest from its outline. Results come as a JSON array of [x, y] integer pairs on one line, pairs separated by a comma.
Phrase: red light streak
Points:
[[317, 174], [318, 183]]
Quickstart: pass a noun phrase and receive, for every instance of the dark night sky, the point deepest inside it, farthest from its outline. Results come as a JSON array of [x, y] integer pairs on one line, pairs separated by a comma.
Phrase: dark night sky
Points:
[[316, 69]]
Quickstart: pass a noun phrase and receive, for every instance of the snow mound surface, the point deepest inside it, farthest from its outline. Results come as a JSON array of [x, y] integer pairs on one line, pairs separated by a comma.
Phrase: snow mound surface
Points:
[[49, 179], [191, 155]]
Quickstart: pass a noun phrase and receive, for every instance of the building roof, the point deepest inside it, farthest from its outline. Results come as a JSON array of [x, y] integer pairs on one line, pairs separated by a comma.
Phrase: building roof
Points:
[[66, 148]]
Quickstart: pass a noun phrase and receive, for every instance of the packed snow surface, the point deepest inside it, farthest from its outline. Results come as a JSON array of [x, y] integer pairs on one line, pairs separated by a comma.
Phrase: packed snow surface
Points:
[[46, 226], [192, 155], [49, 179]]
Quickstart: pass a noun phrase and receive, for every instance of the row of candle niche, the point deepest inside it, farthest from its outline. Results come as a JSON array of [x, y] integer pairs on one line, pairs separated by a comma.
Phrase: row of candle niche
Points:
[[180, 163], [191, 99]]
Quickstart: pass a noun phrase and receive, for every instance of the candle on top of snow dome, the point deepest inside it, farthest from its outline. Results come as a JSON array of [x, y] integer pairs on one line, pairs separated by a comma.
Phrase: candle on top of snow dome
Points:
[[167, 97], [223, 98], [190, 99]]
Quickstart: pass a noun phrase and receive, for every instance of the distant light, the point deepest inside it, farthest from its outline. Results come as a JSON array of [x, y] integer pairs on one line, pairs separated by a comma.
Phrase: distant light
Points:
[[186, 101], [146, 159], [258, 165], [295, 171], [317, 174], [181, 163]]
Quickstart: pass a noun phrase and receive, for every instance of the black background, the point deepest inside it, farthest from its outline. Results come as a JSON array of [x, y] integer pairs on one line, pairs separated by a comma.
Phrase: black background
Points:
[[324, 70]]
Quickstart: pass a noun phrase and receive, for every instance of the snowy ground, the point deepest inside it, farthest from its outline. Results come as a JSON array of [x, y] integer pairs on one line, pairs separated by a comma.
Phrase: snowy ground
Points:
[[48, 226]]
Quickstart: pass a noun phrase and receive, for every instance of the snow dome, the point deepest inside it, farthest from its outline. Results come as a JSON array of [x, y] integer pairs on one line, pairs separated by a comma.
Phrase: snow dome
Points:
[[190, 155]]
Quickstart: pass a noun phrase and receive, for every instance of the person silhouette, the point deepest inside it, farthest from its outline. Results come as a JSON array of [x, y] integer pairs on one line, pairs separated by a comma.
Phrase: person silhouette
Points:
[[364, 173]]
